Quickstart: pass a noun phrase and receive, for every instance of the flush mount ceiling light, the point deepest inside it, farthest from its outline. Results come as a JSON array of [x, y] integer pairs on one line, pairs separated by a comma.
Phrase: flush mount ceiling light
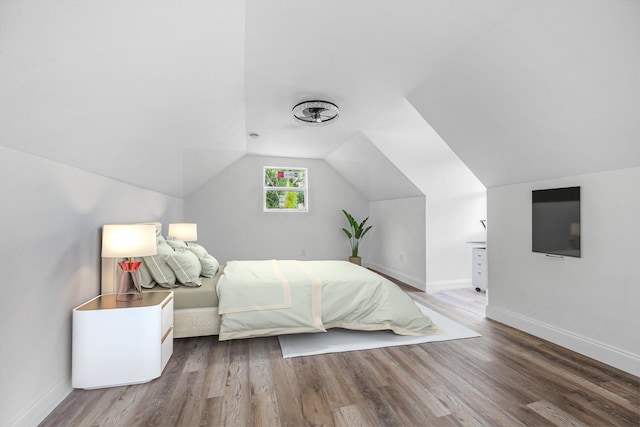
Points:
[[316, 113]]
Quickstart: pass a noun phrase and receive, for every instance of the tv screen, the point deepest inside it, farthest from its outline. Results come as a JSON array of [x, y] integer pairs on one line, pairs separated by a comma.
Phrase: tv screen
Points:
[[556, 221]]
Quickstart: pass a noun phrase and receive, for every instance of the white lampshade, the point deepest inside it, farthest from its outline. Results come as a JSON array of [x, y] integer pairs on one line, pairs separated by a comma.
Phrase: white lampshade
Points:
[[184, 231], [128, 240]]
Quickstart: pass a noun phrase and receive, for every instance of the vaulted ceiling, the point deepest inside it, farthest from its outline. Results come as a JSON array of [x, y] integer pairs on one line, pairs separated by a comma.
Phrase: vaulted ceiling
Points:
[[163, 94]]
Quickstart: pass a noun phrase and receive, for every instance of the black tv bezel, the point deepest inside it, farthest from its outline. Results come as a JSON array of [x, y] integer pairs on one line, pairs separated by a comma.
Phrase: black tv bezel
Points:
[[573, 193]]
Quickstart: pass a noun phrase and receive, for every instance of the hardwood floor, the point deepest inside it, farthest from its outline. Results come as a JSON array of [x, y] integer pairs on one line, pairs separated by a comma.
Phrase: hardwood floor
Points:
[[504, 378]]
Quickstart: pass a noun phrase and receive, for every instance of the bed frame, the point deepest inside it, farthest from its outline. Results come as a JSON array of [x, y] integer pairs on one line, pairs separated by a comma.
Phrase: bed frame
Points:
[[187, 322]]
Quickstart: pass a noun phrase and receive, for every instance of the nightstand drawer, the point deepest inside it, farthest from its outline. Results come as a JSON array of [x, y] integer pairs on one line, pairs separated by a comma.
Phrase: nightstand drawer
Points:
[[167, 315], [167, 347]]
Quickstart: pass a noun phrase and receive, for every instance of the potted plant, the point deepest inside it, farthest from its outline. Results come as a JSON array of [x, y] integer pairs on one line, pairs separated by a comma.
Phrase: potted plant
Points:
[[354, 235]]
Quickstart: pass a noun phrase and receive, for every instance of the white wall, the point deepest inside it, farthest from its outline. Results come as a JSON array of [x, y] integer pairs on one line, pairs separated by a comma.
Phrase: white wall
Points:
[[51, 216], [398, 248], [452, 221], [423, 240], [588, 304], [232, 224], [456, 199]]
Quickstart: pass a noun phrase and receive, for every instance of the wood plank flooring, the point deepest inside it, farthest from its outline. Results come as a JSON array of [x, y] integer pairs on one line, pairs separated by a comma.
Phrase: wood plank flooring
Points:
[[504, 378]]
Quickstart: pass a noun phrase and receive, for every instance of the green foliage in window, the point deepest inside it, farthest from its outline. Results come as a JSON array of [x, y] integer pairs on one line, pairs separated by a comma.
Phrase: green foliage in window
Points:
[[278, 181], [284, 178]]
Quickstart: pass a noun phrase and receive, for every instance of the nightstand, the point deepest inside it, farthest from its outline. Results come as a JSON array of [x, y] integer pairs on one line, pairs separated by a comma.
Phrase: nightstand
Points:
[[120, 343]]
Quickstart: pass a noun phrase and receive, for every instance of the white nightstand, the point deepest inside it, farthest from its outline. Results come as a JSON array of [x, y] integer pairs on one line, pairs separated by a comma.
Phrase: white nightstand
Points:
[[119, 343]]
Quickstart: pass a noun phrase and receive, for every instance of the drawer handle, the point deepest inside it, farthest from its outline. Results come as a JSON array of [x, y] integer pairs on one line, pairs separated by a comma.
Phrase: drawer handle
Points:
[[167, 334]]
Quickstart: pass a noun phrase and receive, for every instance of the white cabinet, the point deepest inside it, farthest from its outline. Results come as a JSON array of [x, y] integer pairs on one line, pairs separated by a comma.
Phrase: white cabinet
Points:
[[479, 269], [118, 343]]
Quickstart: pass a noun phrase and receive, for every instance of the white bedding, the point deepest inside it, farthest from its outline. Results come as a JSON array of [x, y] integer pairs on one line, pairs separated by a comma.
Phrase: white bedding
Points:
[[260, 298]]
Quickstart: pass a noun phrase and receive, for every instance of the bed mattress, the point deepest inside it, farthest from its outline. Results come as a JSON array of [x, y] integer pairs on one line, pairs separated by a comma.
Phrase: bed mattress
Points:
[[204, 296]]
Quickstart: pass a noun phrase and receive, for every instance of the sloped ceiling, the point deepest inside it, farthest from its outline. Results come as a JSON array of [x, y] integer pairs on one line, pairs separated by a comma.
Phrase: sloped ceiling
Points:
[[551, 91], [163, 94], [147, 92], [370, 171]]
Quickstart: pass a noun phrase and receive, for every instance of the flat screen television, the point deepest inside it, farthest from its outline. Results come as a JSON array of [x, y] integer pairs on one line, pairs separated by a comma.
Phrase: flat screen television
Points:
[[556, 221]]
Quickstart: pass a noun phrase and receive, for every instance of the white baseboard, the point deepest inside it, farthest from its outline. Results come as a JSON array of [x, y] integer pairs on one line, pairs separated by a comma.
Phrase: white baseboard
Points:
[[611, 356], [447, 285], [399, 275], [43, 406]]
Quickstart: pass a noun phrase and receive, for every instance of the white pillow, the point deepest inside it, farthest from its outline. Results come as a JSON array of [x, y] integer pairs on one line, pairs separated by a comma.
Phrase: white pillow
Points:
[[176, 243], [209, 264], [186, 267], [146, 280], [157, 265], [197, 249]]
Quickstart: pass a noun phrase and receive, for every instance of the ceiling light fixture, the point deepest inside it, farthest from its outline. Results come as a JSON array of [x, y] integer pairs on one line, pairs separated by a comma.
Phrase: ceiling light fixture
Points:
[[316, 113]]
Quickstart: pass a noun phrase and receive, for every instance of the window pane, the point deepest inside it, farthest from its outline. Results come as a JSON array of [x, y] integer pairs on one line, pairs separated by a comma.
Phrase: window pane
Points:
[[284, 177], [285, 199]]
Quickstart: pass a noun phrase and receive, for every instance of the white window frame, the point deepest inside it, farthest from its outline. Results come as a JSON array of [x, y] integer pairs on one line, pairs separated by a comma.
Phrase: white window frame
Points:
[[304, 189]]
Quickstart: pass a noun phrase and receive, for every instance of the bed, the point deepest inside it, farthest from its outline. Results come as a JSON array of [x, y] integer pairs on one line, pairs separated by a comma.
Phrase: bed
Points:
[[245, 299], [195, 310]]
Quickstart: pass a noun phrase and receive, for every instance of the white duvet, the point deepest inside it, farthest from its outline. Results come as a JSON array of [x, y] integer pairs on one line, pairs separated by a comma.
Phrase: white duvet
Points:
[[274, 297]]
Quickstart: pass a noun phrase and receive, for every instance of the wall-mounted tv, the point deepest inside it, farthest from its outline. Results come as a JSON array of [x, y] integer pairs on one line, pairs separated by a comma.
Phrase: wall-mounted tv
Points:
[[556, 221]]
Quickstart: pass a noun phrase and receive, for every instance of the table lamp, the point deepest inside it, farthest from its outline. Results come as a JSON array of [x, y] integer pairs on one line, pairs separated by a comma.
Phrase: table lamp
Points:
[[186, 232], [127, 241]]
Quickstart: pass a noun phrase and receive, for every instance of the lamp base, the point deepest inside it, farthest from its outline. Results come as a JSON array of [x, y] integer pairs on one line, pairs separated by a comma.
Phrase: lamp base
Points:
[[128, 297], [129, 288]]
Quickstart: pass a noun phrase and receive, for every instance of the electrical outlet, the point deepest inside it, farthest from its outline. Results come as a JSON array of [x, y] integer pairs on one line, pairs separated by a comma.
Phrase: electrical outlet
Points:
[[303, 252]]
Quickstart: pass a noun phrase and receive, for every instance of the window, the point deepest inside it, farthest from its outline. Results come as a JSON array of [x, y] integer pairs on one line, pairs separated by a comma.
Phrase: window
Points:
[[285, 189]]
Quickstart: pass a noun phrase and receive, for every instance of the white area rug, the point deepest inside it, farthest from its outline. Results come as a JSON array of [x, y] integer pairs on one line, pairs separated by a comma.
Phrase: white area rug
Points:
[[339, 340]]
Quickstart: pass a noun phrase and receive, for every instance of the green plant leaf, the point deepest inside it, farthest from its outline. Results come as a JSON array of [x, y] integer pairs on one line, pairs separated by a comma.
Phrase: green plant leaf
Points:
[[349, 235]]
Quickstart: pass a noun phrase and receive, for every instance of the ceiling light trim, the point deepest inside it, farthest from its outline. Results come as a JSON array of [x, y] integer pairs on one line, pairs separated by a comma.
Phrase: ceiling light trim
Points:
[[316, 113]]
